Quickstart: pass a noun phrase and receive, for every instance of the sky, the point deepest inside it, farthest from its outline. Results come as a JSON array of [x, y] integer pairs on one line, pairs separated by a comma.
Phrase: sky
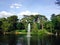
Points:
[[28, 7]]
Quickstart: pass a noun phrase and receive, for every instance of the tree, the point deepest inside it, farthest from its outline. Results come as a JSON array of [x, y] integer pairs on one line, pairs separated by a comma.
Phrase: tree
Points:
[[42, 19], [58, 2], [35, 28], [38, 19], [1, 31], [52, 16], [9, 23], [6, 26], [0, 23], [49, 26], [13, 21], [56, 23], [20, 26], [3, 20], [53, 20]]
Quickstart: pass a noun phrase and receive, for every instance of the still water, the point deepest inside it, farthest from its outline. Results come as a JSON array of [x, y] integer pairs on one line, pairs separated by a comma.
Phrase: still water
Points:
[[33, 40]]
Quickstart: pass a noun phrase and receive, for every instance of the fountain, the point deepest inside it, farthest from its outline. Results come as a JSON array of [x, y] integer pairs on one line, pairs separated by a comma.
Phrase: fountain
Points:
[[28, 33], [28, 40], [56, 34]]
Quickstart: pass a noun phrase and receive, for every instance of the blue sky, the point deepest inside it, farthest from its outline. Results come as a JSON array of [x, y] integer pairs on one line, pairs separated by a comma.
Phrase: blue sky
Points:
[[20, 7]]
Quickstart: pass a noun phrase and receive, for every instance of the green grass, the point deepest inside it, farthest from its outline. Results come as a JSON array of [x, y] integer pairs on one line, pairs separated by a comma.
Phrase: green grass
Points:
[[40, 32], [44, 32]]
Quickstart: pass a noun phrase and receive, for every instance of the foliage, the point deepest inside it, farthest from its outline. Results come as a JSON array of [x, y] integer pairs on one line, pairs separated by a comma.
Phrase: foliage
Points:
[[9, 23], [1, 27], [1, 23], [13, 21], [38, 19], [5, 26], [20, 26], [43, 32], [56, 22], [35, 28], [38, 23], [49, 26]]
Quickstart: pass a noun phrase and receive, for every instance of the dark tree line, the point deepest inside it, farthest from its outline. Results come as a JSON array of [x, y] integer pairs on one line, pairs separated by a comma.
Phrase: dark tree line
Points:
[[37, 22]]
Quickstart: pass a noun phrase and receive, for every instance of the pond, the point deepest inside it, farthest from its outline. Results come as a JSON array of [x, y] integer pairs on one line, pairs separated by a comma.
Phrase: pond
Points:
[[22, 39]]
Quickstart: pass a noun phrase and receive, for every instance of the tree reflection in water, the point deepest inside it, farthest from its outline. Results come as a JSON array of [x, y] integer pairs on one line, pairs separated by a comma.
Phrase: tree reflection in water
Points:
[[12, 40], [33, 40]]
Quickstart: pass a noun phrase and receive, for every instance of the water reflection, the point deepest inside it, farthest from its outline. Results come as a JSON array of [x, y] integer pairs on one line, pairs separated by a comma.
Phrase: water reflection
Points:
[[3, 40], [55, 40], [8, 39], [33, 40], [42, 41], [28, 40], [12, 40], [22, 40]]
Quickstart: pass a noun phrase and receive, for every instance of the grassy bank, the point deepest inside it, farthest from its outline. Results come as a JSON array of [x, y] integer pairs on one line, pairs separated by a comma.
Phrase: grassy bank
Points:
[[40, 32], [44, 32]]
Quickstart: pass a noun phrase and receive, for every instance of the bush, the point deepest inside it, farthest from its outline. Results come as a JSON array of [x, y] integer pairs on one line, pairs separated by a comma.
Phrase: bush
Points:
[[42, 32]]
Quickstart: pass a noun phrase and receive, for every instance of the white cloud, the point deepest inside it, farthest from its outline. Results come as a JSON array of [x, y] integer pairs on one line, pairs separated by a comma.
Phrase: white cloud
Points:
[[16, 5], [20, 15], [27, 13], [5, 14]]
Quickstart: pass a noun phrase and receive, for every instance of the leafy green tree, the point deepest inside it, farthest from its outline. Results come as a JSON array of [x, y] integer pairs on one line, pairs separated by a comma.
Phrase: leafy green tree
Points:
[[35, 28], [42, 19], [53, 20], [1, 31], [24, 21], [6, 26], [20, 26], [9, 23], [49, 26], [13, 21], [3, 20], [0, 23], [56, 23], [36, 18]]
